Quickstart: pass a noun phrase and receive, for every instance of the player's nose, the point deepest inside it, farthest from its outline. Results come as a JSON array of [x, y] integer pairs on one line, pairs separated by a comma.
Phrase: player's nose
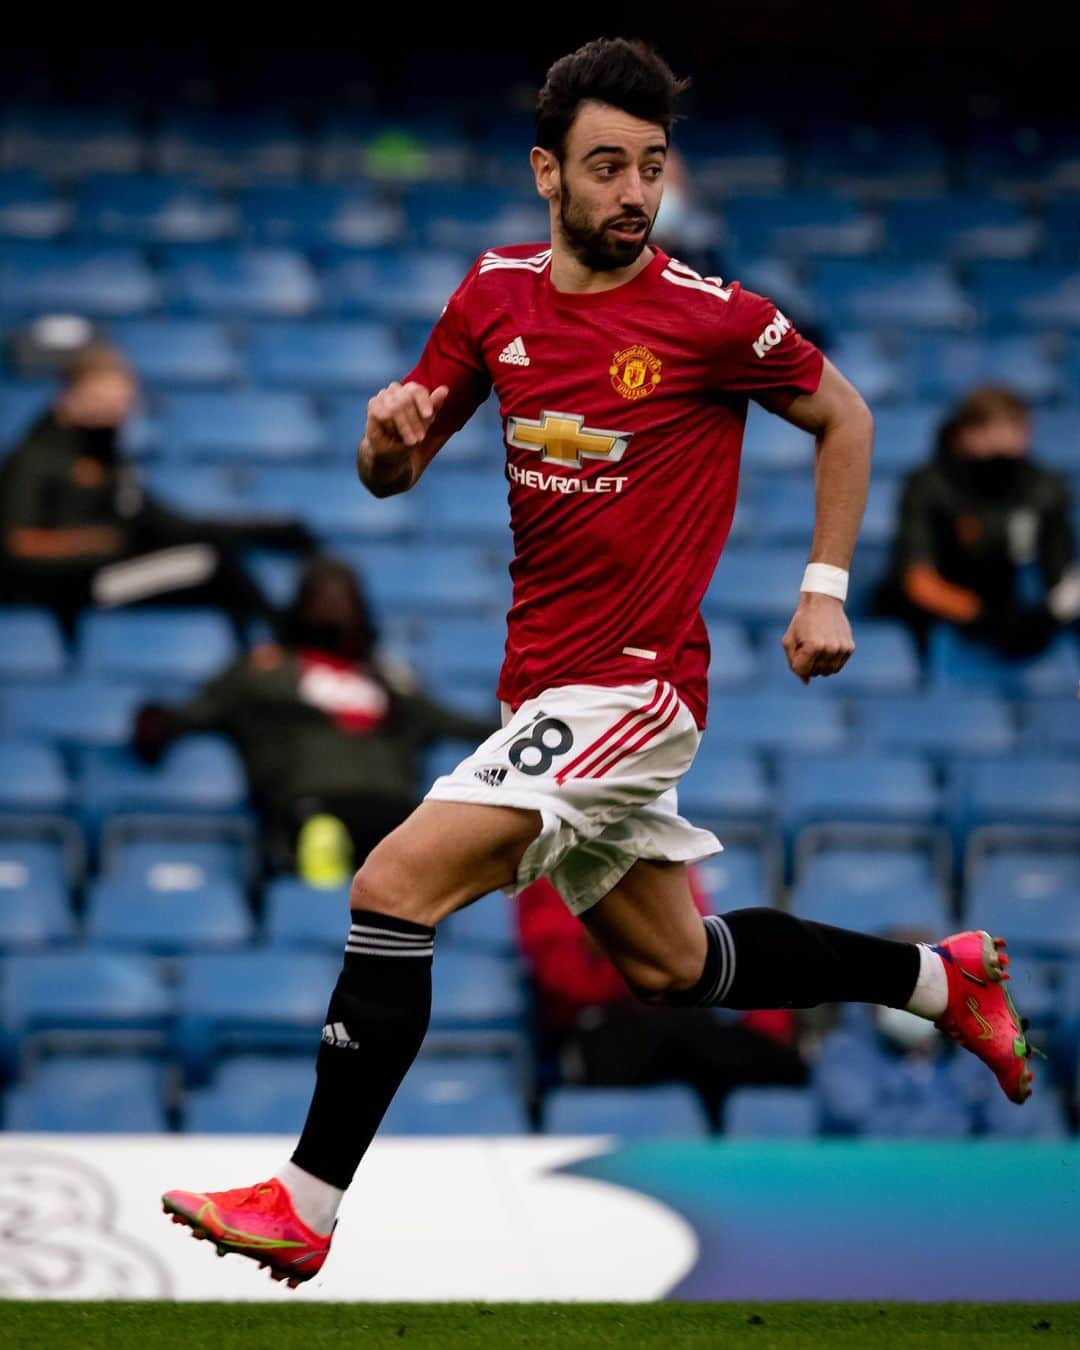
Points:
[[633, 190]]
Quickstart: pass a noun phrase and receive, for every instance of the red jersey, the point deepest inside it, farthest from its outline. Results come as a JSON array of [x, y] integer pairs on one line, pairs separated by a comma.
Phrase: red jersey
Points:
[[623, 414]]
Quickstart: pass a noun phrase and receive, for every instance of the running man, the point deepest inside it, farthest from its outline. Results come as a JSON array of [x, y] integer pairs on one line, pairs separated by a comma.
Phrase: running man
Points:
[[623, 379]]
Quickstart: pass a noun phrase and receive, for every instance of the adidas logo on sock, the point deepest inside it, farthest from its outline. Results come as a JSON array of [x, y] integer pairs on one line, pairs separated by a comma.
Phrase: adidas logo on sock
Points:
[[335, 1033], [514, 354]]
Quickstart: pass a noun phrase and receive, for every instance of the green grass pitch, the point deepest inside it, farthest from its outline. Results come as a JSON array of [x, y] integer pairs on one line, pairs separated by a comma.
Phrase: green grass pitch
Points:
[[673, 1326]]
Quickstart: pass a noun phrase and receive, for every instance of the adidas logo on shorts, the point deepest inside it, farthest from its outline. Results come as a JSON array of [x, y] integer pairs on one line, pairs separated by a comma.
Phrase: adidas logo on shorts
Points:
[[514, 354], [492, 777]]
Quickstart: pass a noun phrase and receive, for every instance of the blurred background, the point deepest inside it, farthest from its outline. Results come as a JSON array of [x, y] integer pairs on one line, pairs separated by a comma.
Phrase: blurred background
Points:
[[265, 230]]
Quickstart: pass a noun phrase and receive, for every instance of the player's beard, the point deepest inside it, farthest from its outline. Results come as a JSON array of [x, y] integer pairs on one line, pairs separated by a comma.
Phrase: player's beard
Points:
[[593, 245]]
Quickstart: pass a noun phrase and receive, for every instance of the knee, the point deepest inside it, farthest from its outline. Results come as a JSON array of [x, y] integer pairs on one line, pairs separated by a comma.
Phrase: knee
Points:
[[657, 983], [384, 885]]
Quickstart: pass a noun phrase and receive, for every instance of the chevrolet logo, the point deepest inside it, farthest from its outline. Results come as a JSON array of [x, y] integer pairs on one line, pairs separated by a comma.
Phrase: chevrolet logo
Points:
[[563, 438]]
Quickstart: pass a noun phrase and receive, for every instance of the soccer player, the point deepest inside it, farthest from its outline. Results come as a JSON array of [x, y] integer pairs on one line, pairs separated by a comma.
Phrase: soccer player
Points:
[[623, 379]]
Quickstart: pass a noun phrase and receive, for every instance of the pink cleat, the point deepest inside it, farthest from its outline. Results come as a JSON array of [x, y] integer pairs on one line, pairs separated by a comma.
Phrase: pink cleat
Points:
[[258, 1222], [980, 1013]]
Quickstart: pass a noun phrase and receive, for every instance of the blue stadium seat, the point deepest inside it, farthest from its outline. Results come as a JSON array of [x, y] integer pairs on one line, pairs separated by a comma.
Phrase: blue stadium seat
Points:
[[427, 578], [329, 500], [904, 436], [30, 207], [885, 662], [198, 774], [891, 295], [734, 660], [472, 217], [877, 163], [885, 786], [1030, 898], [445, 757], [141, 209], [256, 282], [21, 403], [229, 150], [873, 366], [250, 1000], [783, 507], [253, 1094], [66, 142], [1023, 790], [167, 863], [394, 285], [248, 424], [876, 890], [956, 663], [962, 228], [1052, 724], [169, 352], [466, 504], [487, 925], [84, 1094], [32, 777], [434, 149], [756, 583], [742, 875], [777, 721], [475, 991], [947, 367], [314, 215], [662, 1112], [74, 711], [147, 644], [458, 1095], [34, 907], [940, 723], [725, 784], [1057, 437], [31, 645], [326, 356], [771, 1113], [215, 491], [802, 225], [743, 154], [84, 991], [277, 574], [167, 920], [1043, 1116], [772, 445], [297, 915], [463, 646], [1061, 220], [1029, 295], [81, 278]]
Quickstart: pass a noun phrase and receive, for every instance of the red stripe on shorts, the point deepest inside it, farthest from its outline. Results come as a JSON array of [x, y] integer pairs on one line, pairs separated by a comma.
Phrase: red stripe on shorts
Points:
[[637, 736], [653, 732], [606, 736]]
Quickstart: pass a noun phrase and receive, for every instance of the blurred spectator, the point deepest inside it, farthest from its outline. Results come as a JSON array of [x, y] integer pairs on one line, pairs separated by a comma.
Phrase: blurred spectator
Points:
[[329, 735], [591, 1025], [76, 529], [978, 525]]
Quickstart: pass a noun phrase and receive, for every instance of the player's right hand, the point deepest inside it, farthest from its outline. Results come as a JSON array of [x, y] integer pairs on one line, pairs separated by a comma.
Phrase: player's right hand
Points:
[[400, 415]]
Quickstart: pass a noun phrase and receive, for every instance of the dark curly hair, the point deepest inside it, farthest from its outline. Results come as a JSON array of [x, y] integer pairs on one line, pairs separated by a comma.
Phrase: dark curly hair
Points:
[[626, 74]]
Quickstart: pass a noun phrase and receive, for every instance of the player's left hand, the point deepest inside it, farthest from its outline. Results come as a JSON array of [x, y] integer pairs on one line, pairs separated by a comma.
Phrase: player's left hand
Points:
[[818, 640]]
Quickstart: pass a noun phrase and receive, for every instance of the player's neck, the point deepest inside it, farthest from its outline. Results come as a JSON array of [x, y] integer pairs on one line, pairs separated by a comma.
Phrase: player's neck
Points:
[[569, 274]]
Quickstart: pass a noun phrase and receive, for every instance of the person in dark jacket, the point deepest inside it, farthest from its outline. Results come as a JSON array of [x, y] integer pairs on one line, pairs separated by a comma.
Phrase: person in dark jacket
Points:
[[977, 523], [77, 529], [330, 736]]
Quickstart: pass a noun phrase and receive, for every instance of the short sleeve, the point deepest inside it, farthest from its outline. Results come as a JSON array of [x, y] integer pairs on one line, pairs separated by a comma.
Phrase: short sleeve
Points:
[[452, 357], [761, 353]]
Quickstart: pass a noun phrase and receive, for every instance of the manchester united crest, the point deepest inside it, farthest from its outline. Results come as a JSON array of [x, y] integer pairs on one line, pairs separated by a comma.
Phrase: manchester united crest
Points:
[[635, 372]]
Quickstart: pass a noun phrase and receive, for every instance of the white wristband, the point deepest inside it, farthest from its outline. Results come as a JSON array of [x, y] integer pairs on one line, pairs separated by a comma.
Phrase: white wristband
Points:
[[828, 580]]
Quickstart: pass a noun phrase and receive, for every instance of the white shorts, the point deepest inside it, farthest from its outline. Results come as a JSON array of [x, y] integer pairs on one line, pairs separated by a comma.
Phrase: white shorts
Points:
[[601, 766]]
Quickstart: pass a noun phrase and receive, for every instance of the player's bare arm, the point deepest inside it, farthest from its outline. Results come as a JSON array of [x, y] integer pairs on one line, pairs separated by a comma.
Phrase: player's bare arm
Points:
[[399, 442], [818, 640]]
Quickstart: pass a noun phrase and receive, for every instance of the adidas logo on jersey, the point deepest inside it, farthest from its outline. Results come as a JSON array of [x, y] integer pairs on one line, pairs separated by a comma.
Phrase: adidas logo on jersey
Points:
[[514, 354], [491, 776], [337, 1034]]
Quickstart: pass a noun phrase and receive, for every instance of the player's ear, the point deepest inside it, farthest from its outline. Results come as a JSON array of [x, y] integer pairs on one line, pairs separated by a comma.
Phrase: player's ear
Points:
[[545, 167]]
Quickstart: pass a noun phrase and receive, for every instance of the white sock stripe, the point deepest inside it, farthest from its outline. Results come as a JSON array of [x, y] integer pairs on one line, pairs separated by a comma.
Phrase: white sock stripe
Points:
[[714, 991], [369, 931], [729, 946], [374, 944], [357, 950]]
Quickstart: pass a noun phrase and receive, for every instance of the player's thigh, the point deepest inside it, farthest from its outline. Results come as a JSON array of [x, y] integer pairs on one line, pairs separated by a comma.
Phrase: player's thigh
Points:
[[651, 929], [442, 857]]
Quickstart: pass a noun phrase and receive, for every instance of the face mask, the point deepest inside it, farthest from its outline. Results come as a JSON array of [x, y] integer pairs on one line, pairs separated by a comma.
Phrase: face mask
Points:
[[337, 638], [996, 477], [99, 442]]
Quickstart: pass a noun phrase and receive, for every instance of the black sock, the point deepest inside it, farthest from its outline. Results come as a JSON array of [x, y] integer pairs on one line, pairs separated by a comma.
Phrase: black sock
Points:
[[375, 1024], [764, 958]]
